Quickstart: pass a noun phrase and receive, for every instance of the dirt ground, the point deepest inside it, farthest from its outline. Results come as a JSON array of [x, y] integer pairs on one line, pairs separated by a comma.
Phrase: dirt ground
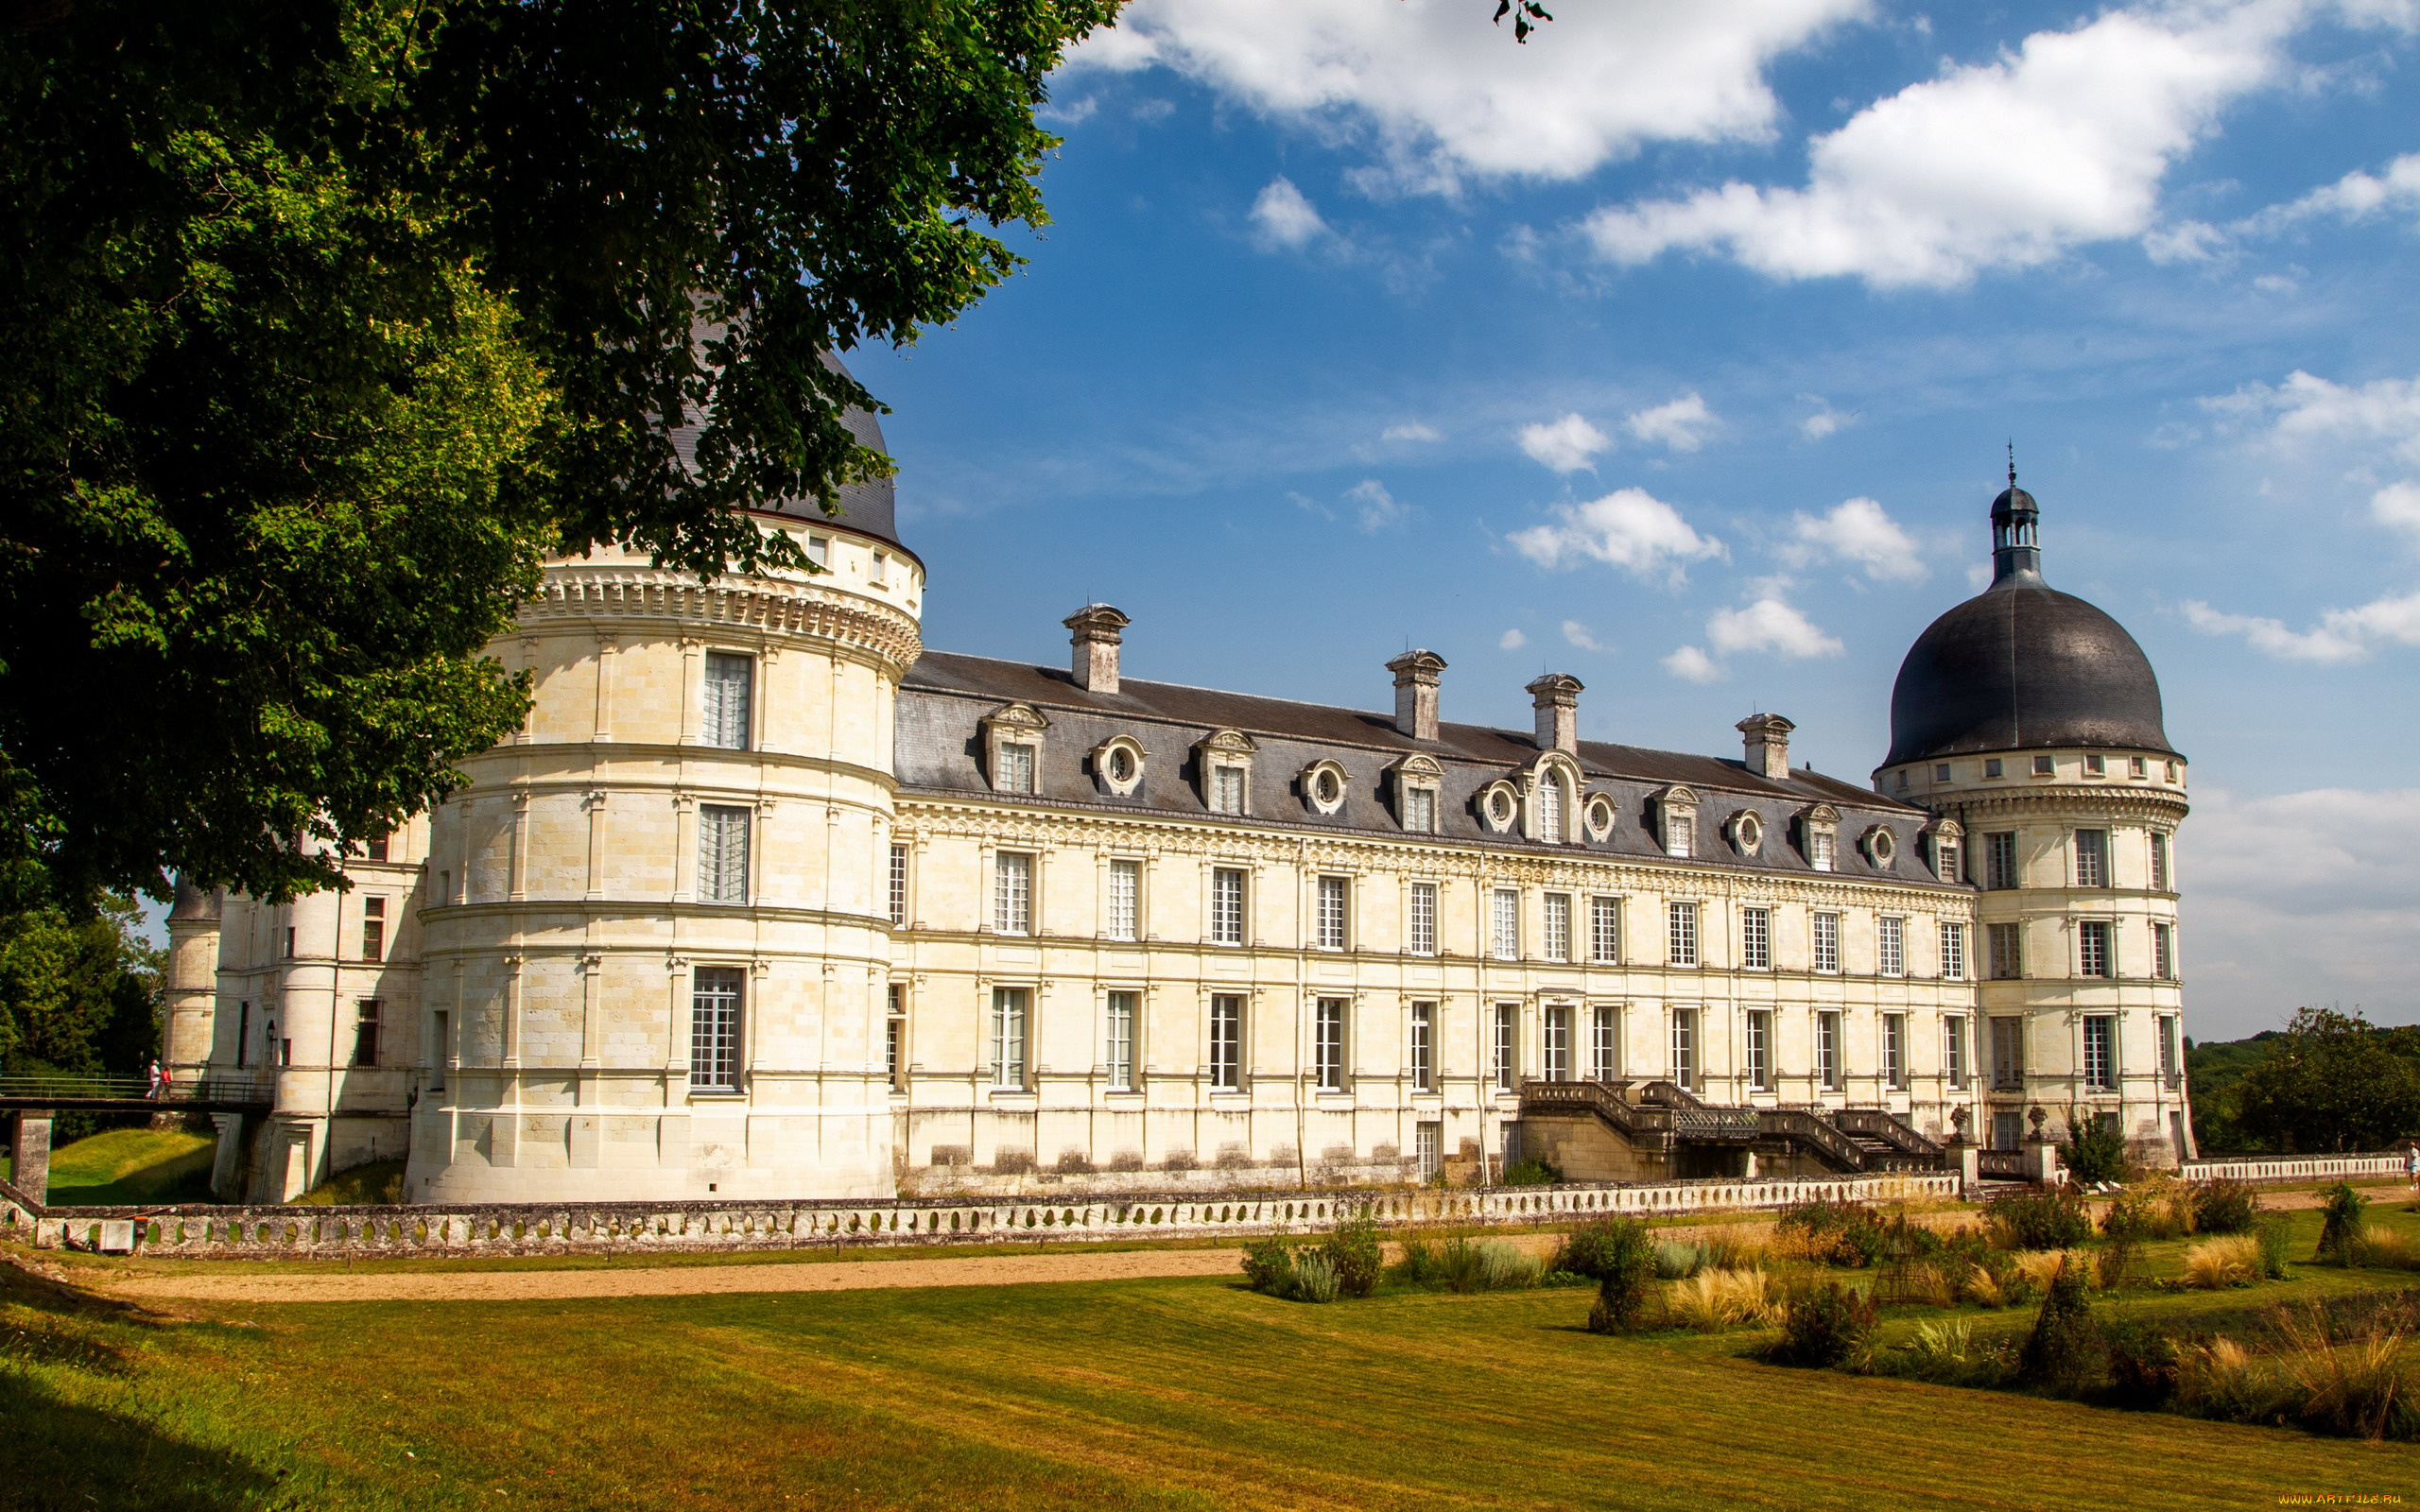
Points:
[[1072, 1264]]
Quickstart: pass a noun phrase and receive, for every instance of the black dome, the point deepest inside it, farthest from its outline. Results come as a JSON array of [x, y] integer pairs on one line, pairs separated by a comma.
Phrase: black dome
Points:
[[2023, 666], [868, 508]]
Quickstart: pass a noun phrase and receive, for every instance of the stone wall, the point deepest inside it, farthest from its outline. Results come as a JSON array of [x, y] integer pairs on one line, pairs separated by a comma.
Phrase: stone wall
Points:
[[2294, 1168]]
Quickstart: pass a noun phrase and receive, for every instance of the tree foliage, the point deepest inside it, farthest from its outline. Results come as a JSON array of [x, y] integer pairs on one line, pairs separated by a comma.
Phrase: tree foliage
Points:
[[79, 993], [322, 322], [2331, 1082]]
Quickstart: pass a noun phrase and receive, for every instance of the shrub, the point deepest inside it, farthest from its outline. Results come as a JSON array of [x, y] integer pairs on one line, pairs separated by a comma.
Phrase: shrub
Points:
[[1423, 1264], [1678, 1262], [2340, 1234], [1352, 1251], [2096, 1149], [2126, 1225], [1481, 1266], [2062, 1352], [1625, 1258], [1269, 1265], [2038, 1220], [1314, 1278], [1533, 1172], [2224, 1205], [1584, 1250], [2214, 1265], [1713, 1301], [2269, 1236], [2142, 1362], [1829, 1325]]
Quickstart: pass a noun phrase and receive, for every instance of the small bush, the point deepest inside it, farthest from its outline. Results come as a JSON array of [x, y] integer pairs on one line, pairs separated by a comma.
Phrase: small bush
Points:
[[2270, 1235], [2340, 1234], [1315, 1278], [2096, 1149], [2224, 1205], [1269, 1265], [2142, 1362], [1590, 1249], [1423, 1264], [2038, 1220], [2214, 1265], [1830, 1325], [1625, 1258], [1533, 1172], [1352, 1251], [2063, 1351], [1678, 1262]]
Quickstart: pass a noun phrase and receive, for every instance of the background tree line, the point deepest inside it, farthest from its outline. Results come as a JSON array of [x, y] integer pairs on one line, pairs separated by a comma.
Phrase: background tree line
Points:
[[2327, 1082]]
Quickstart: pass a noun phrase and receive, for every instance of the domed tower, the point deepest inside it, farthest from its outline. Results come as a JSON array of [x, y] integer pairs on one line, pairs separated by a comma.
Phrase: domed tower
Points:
[[2033, 719], [657, 940]]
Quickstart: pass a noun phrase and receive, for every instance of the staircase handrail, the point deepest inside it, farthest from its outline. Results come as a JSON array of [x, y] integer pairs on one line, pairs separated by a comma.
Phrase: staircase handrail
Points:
[[1890, 1129], [1630, 1119], [1813, 1132], [1671, 1095]]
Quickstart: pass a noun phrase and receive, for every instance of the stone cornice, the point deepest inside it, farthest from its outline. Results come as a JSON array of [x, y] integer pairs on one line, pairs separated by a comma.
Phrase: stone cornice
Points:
[[1976, 805], [770, 605]]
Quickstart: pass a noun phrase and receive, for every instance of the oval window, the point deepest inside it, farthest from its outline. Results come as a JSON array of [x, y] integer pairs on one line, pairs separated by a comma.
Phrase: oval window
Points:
[[1884, 847], [1499, 808], [1600, 818], [1752, 833], [1121, 765], [1327, 787]]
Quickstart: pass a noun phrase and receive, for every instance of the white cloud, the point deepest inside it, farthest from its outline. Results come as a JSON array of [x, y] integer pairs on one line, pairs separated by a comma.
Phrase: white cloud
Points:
[[2308, 409], [2310, 897], [2354, 197], [1825, 420], [1075, 113], [1628, 528], [1682, 424], [1378, 506], [1767, 624], [1442, 93], [2341, 636], [1511, 641], [1856, 530], [1565, 445], [2397, 505], [1694, 666], [1412, 432], [1579, 635], [1992, 165], [1281, 218]]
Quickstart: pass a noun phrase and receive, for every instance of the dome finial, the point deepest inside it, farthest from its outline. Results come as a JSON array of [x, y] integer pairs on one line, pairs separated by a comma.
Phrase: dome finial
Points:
[[2011, 461], [2016, 546]]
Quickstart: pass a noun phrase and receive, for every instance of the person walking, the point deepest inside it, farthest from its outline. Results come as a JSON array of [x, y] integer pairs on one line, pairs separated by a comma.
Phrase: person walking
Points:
[[158, 1081], [2412, 1165]]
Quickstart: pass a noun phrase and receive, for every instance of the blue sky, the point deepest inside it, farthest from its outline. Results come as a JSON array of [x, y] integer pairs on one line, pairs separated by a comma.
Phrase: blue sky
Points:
[[1678, 349]]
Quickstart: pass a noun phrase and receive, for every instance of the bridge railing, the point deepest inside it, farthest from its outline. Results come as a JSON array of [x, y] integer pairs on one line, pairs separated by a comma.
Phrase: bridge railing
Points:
[[75, 1089]]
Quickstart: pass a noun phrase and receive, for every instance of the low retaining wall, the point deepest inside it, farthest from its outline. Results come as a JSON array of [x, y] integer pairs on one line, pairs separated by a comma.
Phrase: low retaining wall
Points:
[[636, 1227], [2294, 1167]]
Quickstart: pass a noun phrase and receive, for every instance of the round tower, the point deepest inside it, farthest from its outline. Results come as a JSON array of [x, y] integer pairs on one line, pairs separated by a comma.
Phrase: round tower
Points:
[[2034, 720], [657, 938]]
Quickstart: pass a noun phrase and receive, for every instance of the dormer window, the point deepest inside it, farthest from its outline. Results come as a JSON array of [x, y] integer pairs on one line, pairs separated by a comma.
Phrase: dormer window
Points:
[[1819, 835], [1013, 736], [1881, 846], [1549, 790], [1117, 762], [1552, 783], [1948, 848], [1419, 783], [1599, 817], [1746, 832], [1224, 761], [1677, 808], [1498, 806], [1323, 784]]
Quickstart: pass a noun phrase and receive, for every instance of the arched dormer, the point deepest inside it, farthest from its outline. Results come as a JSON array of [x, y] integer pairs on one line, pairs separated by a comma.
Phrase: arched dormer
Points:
[[1550, 790], [1419, 783], [1012, 749], [1818, 835], [1945, 846], [1222, 763], [1676, 813]]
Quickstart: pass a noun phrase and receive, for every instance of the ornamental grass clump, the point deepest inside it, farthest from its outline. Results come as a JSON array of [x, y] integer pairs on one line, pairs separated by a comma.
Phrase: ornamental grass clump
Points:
[[1486, 1265], [2357, 1387], [2038, 1268], [2214, 1265], [1625, 1258], [1826, 1326], [1314, 1278], [1713, 1301], [1678, 1262]]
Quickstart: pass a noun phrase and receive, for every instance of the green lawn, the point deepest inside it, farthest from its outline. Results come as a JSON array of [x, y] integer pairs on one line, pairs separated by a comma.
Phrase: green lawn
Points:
[[1138, 1394], [132, 1165]]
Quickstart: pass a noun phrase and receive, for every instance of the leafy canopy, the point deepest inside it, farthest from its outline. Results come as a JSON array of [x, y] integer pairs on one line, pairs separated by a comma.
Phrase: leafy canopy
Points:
[[2331, 1082]]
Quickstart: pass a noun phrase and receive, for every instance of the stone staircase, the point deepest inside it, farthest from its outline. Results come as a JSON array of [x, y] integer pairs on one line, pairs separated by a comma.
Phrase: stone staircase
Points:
[[1664, 1127]]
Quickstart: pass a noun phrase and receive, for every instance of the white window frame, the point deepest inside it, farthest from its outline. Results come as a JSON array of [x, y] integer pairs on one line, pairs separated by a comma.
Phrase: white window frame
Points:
[[1334, 911], [1553, 806], [1823, 936], [1760, 1050], [1890, 945], [2163, 861], [898, 885], [1555, 916], [1011, 1037], [1954, 1059], [1756, 939], [2100, 1064], [717, 1019], [1328, 1030], [1953, 949], [1122, 1012], [728, 723], [1423, 1047], [1681, 922], [1013, 891], [2163, 952], [1230, 904], [1894, 1052], [1558, 1042], [1224, 759], [1419, 795], [1604, 931], [1506, 1071], [1423, 933], [2097, 936], [1125, 920], [1504, 924], [1604, 1043], [2092, 858], [1226, 1042], [1828, 1070], [1684, 1048], [725, 833], [1013, 750]]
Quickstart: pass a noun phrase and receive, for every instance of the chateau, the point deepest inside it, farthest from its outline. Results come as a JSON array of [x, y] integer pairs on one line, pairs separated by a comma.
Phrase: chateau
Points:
[[765, 900]]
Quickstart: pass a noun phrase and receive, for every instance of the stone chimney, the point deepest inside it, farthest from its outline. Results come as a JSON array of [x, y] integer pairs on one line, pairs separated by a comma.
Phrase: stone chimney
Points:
[[1557, 699], [1099, 630], [1767, 738], [1416, 692]]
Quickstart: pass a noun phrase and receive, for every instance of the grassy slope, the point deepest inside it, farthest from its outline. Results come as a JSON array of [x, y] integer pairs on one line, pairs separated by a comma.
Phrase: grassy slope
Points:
[[132, 1165], [1140, 1393]]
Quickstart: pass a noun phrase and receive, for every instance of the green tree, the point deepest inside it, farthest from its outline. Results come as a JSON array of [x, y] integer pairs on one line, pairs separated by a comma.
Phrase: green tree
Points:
[[79, 991], [2330, 1082], [322, 322]]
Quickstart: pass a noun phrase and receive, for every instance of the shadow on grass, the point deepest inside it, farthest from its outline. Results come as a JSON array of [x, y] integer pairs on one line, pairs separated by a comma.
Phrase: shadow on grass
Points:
[[58, 1455]]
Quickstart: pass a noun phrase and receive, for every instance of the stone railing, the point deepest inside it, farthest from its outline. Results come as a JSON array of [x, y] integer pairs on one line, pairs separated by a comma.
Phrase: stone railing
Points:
[[2293, 1167], [204, 1232]]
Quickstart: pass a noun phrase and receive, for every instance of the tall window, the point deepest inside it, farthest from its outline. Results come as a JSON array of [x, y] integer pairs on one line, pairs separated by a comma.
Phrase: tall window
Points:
[[1227, 906], [1505, 941], [1226, 790], [440, 1050], [1947, 857], [1226, 1043], [2008, 1054], [1894, 1051], [1125, 899], [373, 929], [898, 885], [1423, 919], [1557, 926], [1009, 1023], [1680, 834], [367, 1013], [1760, 1050], [1013, 892], [1827, 1051], [1953, 1049], [243, 1034], [1429, 1147], [2164, 951], [2170, 1062], [1118, 1046], [1016, 768], [1891, 946], [1828, 942], [1953, 951], [1683, 926], [1606, 930], [2159, 861], [1420, 809], [1327, 1044], [1819, 849], [1507, 1067], [728, 685], [2101, 1052], [1756, 939], [1558, 1045], [1605, 1059], [1684, 1048], [722, 853], [1331, 913], [1550, 808], [713, 1028], [895, 1038], [879, 574], [1423, 1047], [2008, 952], [378, 849], [2092, 858], [2093, 954], [1999, 861]]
